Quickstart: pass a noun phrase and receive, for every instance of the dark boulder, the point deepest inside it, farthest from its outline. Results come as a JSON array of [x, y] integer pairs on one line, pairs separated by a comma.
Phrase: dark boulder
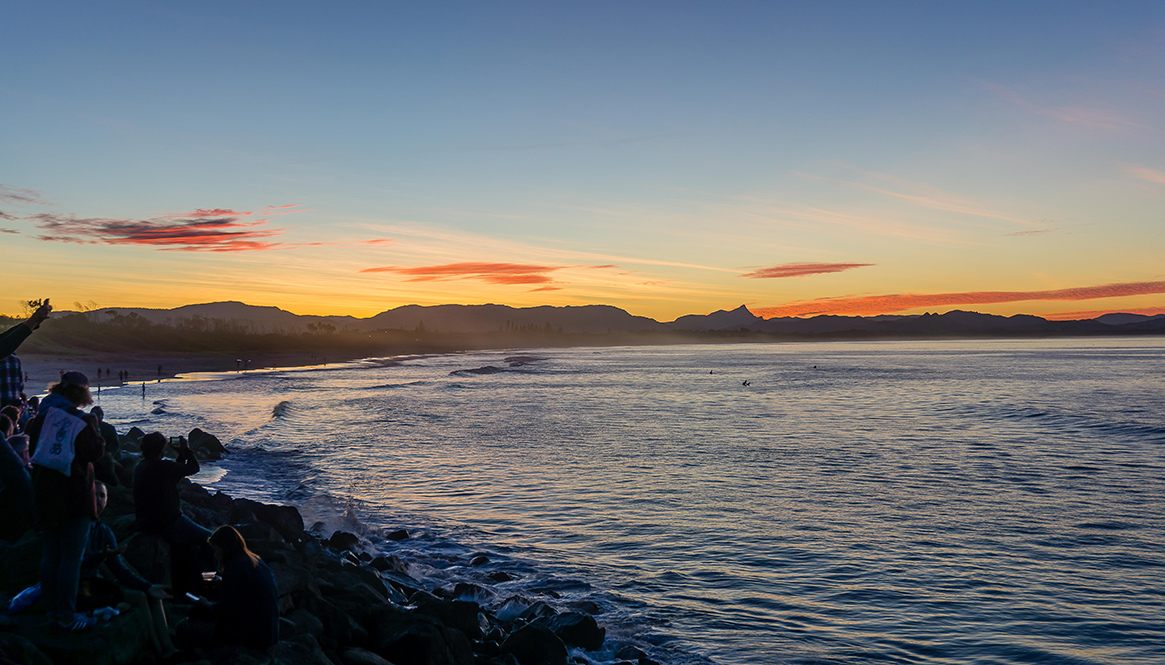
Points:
[[407, 638], [358, 656], [399, 534], [17, 649], [578, 630], [343, 541], [535, 645], [462, 615]]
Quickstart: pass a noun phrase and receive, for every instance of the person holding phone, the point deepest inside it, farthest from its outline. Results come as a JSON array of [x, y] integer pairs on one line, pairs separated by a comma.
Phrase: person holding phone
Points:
[[11, 371], [159, 510]]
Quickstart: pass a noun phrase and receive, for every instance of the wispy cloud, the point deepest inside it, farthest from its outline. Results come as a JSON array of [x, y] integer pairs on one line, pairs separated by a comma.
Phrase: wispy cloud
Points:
[[3, 230], [1072, 115], [888, 303], [21, 196], [207, 230], [802, 269], [491, 273], [1147, 174]]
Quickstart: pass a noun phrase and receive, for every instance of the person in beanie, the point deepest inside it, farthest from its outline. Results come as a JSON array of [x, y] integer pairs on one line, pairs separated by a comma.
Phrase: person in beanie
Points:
[[64, 492]]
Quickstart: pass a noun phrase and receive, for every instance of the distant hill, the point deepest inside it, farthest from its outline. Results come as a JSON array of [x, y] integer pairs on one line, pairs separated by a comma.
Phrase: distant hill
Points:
[[601, 319]]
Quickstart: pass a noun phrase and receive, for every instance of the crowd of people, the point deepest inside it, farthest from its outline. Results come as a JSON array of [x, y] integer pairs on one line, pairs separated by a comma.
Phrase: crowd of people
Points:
[[56, 465]]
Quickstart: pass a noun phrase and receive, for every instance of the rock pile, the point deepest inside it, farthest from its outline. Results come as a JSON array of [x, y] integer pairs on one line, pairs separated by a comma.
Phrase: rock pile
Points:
[[339, 606]]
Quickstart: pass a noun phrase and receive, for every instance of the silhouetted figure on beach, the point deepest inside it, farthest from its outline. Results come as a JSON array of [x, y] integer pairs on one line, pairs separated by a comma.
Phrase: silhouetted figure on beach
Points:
[[64, 443], [159, 510], [247, 609]]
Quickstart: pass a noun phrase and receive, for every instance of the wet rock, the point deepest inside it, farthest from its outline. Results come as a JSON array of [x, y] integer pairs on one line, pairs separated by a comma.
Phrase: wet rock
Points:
[[391, 562], [460, 614], [399, 534], [300, 650], [578, 630], [535, 645], [207, 444], [501, 576], [123, 640], [405, 584], [20, 650], [537, 611], [343, 541], [358, 656], [479, 560], [407, 638], [134, 435], [304, 622]]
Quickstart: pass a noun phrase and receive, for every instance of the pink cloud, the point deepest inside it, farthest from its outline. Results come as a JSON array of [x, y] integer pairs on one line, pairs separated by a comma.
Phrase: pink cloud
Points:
[[889, 303], [1077, 115], [491, 273], [802, 269], [1147, 174]]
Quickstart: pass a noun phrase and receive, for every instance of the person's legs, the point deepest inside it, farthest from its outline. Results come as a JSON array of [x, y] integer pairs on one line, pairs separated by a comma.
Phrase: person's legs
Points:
[[73, 537], [190, 554], [50, 557]]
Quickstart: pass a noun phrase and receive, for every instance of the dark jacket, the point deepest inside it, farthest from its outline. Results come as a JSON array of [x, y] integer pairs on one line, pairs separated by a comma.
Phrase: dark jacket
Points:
[[247, 611], [60, 499], [101, 540], [155, 490], [17, 511], [11, 339]]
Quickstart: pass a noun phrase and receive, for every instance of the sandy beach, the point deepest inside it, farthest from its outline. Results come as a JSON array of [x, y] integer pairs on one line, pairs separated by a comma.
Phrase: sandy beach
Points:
[[44, 369]]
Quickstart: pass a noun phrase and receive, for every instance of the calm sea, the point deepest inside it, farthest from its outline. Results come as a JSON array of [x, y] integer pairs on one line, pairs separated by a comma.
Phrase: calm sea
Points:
[[903, 502]]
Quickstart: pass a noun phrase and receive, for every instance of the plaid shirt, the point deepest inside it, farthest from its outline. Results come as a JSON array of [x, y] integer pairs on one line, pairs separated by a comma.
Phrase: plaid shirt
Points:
[[11, 378]]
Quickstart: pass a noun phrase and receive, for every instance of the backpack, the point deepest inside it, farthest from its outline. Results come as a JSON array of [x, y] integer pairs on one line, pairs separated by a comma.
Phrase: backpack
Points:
[[54, 446]]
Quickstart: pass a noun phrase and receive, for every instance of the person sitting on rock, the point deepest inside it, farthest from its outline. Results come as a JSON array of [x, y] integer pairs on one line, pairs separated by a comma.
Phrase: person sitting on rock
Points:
[[95, 592], [159, 511], [64, 491], [247, 610]]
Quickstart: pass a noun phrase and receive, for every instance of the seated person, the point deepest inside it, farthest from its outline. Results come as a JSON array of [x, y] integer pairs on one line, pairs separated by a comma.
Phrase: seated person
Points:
[[159, 511], [247, 610]]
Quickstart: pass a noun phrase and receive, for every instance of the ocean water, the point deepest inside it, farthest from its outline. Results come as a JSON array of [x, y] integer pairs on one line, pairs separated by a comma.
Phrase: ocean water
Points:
[[897, 502]]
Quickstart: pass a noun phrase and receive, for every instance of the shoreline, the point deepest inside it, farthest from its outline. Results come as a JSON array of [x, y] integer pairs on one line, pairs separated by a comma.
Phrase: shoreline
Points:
[[43, 369]]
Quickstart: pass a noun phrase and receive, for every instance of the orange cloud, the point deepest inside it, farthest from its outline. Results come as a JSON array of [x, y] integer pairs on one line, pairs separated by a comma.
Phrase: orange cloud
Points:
[[884, 304], [491, 273], [802, 269]]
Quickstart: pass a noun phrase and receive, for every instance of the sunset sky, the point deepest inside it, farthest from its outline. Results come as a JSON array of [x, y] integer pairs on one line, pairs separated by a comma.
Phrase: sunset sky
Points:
[[667, 158]]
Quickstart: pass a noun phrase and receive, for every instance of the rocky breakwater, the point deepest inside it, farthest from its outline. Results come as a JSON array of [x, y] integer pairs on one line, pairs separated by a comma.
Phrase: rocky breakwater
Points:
[[339, 604]]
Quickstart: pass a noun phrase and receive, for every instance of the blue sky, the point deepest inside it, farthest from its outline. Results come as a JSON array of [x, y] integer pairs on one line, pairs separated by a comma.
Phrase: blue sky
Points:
[[645, 155]]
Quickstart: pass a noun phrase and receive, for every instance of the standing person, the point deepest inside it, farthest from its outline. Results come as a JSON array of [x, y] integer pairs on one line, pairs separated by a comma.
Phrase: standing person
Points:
[[12, 374], [107, 467], [95, 591], [247, 611], [159, 510], [64, 492]]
